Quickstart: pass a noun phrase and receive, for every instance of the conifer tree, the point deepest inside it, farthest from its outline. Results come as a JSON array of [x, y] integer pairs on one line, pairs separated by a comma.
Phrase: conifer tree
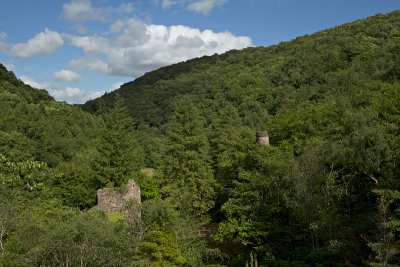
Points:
[[118, 151], [187, 167]]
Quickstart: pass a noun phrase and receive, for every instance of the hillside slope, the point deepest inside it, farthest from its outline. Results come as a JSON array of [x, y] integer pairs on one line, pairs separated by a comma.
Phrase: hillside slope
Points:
[[53, 131], [335, 61], [37, 131], [327, 189], [325, 192], [53, 158]]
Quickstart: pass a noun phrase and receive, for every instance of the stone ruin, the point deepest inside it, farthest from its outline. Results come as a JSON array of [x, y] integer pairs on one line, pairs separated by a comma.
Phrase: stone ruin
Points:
[[114, 200], [262, 138]]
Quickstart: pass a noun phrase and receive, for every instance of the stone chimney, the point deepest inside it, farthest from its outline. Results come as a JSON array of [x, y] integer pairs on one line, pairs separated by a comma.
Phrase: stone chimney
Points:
[[262, 138]]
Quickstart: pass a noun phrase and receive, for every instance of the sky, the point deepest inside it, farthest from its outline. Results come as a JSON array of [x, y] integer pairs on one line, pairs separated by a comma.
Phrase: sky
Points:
[[79, 49]]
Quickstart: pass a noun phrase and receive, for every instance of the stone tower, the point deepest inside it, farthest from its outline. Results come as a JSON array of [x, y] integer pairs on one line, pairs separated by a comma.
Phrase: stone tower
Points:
[[111, 200], [262, 138]]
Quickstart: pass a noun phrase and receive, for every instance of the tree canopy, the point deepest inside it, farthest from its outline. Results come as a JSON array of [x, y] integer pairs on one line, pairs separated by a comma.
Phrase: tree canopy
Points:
[[325, 192]]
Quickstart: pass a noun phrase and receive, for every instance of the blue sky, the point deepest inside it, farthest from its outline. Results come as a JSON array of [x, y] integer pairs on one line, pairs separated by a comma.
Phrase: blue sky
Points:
[[79, 49]]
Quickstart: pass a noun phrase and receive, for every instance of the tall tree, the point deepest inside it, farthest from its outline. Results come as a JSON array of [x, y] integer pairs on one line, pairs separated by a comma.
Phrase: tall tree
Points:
[[119, 153], [260, 205], [189, 179], [386, 247]]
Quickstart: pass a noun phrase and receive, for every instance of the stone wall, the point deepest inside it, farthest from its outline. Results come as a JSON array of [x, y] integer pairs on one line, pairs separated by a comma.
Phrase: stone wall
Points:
[[262, 138], [111, 200]]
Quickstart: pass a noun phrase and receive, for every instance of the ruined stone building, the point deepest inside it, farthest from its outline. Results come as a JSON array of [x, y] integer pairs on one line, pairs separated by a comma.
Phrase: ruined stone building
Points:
[[113, 200], [262, 138]]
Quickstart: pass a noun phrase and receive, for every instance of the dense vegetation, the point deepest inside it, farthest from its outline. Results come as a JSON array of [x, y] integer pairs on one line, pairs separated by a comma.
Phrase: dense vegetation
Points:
[[325, 192]]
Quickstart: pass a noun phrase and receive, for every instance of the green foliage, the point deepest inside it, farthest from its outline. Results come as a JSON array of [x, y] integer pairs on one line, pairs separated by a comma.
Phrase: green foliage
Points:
[[188, 176], [118, 152], [386, 247], [57, 236], [170, 239], [72, 182], [7, 218], [22, 176], [260, 202], [159, 248], [149, 185], [330, 103]]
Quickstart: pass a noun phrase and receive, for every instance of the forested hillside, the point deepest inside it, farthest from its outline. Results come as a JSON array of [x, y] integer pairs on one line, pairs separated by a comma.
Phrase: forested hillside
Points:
[[325, 192]]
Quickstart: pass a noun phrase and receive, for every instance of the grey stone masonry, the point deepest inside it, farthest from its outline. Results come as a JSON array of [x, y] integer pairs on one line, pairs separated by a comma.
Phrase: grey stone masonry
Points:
[[262, 138], [111, 200]]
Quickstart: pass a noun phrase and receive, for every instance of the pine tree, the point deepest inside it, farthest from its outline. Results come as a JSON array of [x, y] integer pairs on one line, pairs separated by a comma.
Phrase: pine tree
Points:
[[118, 151], [189, 180]]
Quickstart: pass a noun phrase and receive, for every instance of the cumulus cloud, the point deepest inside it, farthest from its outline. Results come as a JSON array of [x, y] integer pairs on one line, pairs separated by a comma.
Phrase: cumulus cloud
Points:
[[42, 43], [67, 76], [91, 64], [136, 47], [87, 43], [83, 10], [205, 6], [72, 95]]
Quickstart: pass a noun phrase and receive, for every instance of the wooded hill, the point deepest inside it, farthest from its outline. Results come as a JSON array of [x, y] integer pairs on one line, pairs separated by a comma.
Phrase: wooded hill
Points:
[[266, 80], [326, 192]]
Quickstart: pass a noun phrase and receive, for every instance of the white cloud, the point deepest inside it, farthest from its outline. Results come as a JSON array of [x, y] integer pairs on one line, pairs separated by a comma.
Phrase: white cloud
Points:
[[205, 6], [168, 3], [136, 47], [42, 43], [33, 83], [67, 76], [83, 10], [9, 66], [117, 26], [87, 43], [91, 64], [74, 95], [3, 42], [71, 95], [79, 28], [116, 86]]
